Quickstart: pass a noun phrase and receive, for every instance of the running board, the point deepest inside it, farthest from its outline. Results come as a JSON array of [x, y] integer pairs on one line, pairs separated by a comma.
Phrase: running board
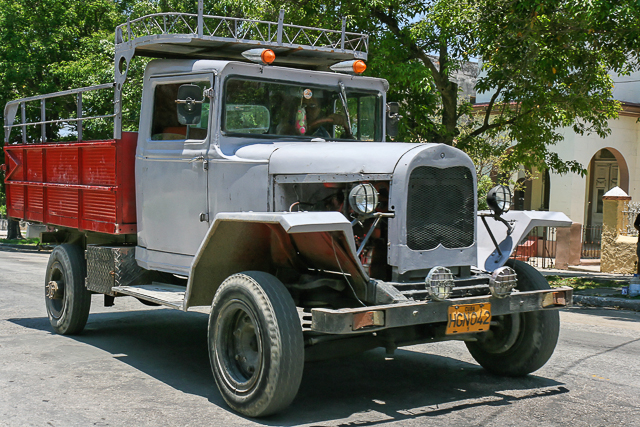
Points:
[[161, 293]]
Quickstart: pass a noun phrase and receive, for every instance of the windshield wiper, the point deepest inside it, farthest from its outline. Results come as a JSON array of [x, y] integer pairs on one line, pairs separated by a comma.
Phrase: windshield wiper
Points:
[[343, 98]]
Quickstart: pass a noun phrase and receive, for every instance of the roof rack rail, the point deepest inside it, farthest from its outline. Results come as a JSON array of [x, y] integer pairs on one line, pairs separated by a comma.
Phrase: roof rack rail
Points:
[[172, 35]]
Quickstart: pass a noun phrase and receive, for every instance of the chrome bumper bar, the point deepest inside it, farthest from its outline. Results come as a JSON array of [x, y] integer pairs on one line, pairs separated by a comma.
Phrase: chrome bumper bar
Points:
[[374, 318]]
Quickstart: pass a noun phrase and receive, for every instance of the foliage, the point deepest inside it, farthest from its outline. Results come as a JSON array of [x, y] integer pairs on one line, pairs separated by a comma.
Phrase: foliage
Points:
[[545, 63]]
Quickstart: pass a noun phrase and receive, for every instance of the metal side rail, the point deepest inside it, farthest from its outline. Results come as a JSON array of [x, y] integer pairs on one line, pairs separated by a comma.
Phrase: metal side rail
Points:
[[374, 318], [159, 293]]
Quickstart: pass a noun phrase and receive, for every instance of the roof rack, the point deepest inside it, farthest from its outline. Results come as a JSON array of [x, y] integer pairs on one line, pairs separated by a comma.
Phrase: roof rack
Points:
[[172, 35]]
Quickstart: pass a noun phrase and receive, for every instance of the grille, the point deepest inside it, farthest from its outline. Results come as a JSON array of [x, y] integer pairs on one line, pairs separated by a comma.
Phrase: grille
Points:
[[440, 208]]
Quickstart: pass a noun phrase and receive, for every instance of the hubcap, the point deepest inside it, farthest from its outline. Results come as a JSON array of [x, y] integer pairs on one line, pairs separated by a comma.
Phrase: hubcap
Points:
[[502, 336], [238, 346], [54, 291]]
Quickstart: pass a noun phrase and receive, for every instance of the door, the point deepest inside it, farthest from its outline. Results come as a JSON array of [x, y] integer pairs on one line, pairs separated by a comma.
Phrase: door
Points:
[[172, 168], [606, 177]]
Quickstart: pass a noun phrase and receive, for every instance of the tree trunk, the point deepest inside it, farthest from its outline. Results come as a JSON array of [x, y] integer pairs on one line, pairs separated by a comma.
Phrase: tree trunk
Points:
[[449, 112], [13, 229]]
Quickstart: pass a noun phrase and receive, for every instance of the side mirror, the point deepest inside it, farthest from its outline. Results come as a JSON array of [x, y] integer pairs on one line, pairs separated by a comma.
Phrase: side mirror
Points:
[[189, 102], [393, 118]]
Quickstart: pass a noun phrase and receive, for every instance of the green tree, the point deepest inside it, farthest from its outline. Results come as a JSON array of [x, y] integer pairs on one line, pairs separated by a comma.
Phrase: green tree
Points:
[[51, 45], [546, 62]]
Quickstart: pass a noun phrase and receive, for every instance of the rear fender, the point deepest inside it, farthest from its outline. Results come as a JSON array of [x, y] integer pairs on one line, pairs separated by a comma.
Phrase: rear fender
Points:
[[244, 241]]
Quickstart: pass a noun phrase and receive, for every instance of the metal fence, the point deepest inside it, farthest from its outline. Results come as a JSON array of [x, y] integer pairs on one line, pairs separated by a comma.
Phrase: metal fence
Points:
[[538, 248], [591, 242], [629, 213]]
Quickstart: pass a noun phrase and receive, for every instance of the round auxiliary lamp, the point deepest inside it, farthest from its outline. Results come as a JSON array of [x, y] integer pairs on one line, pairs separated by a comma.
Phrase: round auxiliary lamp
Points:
[[499, 199]]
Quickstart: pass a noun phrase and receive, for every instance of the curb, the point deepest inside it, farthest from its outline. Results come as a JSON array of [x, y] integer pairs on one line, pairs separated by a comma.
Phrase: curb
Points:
[[27, 247], [607, 302]]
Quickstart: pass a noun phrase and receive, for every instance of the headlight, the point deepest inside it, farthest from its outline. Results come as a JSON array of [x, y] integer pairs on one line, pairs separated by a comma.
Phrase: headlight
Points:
[[499, 199], [363, 199], [439, 283], [502, 281]]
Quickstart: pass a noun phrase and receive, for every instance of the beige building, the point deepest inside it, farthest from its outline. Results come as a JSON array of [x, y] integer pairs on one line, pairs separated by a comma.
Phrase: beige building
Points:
[[610, 162]]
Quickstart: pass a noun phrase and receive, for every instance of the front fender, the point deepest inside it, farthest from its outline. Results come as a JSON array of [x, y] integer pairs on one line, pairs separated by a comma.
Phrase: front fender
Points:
[[522, 222], [243, 241]]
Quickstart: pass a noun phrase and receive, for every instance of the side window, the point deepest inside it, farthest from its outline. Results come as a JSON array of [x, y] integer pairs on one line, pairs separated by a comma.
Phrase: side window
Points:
[[362, 112], [165, 124], [367, 118]]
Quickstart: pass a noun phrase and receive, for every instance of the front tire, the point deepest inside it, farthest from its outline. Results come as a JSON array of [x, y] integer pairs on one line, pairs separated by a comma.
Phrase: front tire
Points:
[[523, 342], [256, 346], [67, 299]]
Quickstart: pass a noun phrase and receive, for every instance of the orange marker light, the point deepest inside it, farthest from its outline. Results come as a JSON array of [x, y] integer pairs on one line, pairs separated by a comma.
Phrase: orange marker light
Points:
[[359, 66], [268, 56]]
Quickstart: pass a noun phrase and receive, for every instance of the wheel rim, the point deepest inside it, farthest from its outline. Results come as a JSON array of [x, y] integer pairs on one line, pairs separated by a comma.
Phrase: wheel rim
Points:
[[56, 307], [238, 346], [502, 336]]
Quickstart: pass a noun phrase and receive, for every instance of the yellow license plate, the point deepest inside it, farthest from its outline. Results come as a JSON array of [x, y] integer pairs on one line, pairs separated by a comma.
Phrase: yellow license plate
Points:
[[464, 318]]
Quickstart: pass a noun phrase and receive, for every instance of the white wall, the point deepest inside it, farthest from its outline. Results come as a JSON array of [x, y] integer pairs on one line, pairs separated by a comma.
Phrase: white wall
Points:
[[568, 192]]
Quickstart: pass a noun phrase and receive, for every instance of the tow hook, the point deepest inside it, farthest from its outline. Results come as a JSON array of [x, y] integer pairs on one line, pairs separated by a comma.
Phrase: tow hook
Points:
[[54, 290]]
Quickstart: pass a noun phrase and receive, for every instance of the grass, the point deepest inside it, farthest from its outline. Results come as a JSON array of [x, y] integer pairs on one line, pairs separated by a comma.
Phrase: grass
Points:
[[585, 283], [579, 283], [30, 242]]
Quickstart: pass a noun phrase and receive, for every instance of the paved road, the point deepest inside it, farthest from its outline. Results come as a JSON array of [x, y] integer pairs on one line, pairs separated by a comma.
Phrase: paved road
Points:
[[144, 366]]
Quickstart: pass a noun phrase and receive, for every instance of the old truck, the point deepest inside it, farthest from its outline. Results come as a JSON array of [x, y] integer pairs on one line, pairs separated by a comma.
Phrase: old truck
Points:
[[260, 185]]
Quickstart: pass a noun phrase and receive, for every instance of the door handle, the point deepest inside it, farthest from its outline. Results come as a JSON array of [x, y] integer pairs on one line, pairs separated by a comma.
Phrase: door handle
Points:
[[205, 162]]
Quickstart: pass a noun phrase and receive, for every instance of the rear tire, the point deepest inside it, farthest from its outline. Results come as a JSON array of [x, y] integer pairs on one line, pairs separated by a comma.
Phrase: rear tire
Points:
[[256, 346], [67, 299], [523, 342]]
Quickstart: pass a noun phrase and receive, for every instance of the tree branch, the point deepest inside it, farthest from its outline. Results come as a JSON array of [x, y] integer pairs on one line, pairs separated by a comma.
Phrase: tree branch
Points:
[[416, 53], [486, 126]]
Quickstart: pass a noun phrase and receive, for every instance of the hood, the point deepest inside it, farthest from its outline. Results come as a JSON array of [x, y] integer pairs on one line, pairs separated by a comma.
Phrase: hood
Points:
[[338, 157]]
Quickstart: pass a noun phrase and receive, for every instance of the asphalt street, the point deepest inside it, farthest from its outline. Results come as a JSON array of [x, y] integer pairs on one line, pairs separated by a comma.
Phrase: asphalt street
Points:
[[146, 366]]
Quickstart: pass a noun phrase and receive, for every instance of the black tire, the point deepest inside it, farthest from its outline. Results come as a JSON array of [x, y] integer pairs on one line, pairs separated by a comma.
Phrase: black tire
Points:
[[256, 346], [68, 306], [523, 342]]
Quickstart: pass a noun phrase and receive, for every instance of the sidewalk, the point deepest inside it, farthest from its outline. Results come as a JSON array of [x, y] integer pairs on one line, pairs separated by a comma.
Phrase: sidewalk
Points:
[[601, 297]]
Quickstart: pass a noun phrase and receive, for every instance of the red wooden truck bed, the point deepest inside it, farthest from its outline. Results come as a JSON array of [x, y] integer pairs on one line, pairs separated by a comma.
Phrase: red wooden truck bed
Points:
[[85, 185]]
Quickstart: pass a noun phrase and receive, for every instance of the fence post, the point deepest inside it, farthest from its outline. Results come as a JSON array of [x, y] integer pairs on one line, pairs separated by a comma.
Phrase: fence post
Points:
[[569, 246], [618, 252]]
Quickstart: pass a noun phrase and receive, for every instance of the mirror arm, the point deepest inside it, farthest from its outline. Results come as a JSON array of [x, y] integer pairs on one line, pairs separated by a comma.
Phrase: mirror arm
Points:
[[502, 220], [189, 101], [493, 239]]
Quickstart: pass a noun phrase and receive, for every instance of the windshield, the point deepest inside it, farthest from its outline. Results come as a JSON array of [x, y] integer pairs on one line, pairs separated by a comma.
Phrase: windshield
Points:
[[279, 109]]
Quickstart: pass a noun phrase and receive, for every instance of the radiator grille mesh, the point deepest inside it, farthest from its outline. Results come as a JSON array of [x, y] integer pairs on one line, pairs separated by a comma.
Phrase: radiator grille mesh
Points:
[[440, 208]]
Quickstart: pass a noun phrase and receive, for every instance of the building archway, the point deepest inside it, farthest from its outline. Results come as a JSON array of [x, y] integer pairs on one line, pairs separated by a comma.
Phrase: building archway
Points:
[[533, 190], [607, 169]]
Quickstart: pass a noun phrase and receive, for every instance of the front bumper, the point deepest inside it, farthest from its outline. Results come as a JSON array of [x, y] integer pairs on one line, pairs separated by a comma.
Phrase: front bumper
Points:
[[375, 318]]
